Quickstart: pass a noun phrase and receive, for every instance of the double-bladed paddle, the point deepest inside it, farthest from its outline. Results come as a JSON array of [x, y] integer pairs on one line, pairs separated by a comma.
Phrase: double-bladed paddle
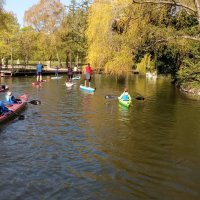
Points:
[[115, 97], [33, 102]]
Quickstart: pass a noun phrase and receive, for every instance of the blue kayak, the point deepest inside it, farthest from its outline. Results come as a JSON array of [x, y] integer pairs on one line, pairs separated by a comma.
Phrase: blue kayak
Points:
[[89, 89]]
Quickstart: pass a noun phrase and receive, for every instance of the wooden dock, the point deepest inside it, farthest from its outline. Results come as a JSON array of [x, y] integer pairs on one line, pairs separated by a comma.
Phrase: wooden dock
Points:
[[30, 71]]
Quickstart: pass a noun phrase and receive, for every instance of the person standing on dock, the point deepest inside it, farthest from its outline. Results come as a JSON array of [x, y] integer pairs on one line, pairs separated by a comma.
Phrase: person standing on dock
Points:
[[88, 74], [39, 68]]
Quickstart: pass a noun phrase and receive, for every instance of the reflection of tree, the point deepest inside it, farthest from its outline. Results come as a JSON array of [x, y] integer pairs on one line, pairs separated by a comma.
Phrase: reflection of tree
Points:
[[148, 146]]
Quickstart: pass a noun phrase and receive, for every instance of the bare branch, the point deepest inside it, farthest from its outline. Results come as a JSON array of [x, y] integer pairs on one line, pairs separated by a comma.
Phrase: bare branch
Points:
[[178, 37], [166, 2], [198, 9]]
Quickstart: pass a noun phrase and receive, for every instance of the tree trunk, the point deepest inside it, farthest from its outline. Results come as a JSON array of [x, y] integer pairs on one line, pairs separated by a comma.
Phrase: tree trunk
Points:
[[58, 57], [71, 59], [11, 57], [67, 59]]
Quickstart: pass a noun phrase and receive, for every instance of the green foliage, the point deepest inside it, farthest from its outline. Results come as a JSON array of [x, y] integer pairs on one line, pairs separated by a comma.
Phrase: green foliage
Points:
[[182, 20], [113, 35], [120, 64], [145, 64]]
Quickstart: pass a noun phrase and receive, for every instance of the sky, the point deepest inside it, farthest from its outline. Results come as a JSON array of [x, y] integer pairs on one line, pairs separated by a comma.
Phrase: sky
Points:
[[18, 7]]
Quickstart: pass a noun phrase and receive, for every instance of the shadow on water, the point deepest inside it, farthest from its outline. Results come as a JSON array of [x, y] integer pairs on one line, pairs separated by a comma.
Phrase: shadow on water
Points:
[[78, 145]]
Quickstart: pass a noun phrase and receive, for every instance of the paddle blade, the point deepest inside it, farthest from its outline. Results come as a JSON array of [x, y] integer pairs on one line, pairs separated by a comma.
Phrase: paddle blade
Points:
[[21, 117], [110, 97], [139, 98], [35, 102]]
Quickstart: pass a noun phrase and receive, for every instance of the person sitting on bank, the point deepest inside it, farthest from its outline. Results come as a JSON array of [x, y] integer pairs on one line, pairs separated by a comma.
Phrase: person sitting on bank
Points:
[[125, 95], [3, 109], [10, 99]]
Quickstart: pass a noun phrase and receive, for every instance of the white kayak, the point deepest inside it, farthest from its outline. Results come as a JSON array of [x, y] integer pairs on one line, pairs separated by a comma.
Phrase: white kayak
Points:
[[56, 77], [76, 78], [69, 84]]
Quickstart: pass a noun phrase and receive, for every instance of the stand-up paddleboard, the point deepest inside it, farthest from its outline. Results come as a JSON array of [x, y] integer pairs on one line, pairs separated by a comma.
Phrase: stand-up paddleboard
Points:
[[88, 89], [39, 82], [76, 78], [56, 77], [69, 84]]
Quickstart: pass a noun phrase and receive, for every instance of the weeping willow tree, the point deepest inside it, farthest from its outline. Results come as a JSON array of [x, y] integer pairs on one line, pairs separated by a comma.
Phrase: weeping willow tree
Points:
[[129, 30], [107, 50]]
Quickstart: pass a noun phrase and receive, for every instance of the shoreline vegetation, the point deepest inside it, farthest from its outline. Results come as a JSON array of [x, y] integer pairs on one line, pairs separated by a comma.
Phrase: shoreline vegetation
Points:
[[191, 88], [161, 37]]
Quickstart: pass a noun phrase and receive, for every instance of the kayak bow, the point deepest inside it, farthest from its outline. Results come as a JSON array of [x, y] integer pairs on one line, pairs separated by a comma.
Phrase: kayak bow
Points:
[[15, 109]]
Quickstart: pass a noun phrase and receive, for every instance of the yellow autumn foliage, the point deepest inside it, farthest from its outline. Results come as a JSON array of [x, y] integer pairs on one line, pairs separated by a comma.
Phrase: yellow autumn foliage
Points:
[[120, 64]]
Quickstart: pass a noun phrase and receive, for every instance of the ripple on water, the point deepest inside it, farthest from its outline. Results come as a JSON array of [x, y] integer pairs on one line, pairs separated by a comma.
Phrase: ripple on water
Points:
[[77, 145]]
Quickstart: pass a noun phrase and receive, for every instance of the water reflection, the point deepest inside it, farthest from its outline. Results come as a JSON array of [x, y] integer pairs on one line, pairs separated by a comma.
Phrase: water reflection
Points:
[[78, 145], [124, 113]]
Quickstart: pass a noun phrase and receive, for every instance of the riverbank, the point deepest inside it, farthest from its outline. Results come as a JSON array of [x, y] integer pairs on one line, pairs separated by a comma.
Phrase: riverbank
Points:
[[191, 88]]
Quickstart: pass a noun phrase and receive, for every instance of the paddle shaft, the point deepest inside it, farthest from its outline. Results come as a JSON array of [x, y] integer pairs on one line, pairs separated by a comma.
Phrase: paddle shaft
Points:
[[33, 102], [115, 97]]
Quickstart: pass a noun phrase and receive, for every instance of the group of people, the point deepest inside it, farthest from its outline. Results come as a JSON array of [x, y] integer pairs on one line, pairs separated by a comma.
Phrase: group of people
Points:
[[88, 77], [88, 73], [9, 101]]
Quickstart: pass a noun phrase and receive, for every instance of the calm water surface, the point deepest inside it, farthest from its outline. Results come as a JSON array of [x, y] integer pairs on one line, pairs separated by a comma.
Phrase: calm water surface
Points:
[[77, 145]]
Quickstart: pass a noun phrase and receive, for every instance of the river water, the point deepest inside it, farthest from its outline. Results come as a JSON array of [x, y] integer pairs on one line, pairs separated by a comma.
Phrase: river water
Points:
[[77, 145]]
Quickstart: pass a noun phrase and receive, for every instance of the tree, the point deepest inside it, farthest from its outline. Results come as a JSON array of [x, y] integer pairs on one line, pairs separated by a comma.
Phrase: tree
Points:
[[108, 48], [191, 7], [71, 34], [45, 16], [166, 31], [8, 33], [27, 38]]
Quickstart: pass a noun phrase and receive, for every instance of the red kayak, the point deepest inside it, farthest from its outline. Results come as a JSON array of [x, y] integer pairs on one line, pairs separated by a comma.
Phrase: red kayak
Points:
[[39, 82], [15, 109], [4, 88]]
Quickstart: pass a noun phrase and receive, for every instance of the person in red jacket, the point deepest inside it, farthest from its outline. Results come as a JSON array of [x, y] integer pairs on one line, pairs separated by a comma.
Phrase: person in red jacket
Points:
[[88, 74]]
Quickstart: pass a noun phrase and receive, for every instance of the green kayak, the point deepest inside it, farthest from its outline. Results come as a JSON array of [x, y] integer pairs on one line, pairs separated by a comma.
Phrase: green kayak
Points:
[[124, 103]]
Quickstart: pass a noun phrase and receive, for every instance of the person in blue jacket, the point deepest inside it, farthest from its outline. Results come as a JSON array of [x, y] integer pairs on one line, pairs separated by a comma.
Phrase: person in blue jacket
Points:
[[125, 95], [10, 99], [39, 68], [3, 109]]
